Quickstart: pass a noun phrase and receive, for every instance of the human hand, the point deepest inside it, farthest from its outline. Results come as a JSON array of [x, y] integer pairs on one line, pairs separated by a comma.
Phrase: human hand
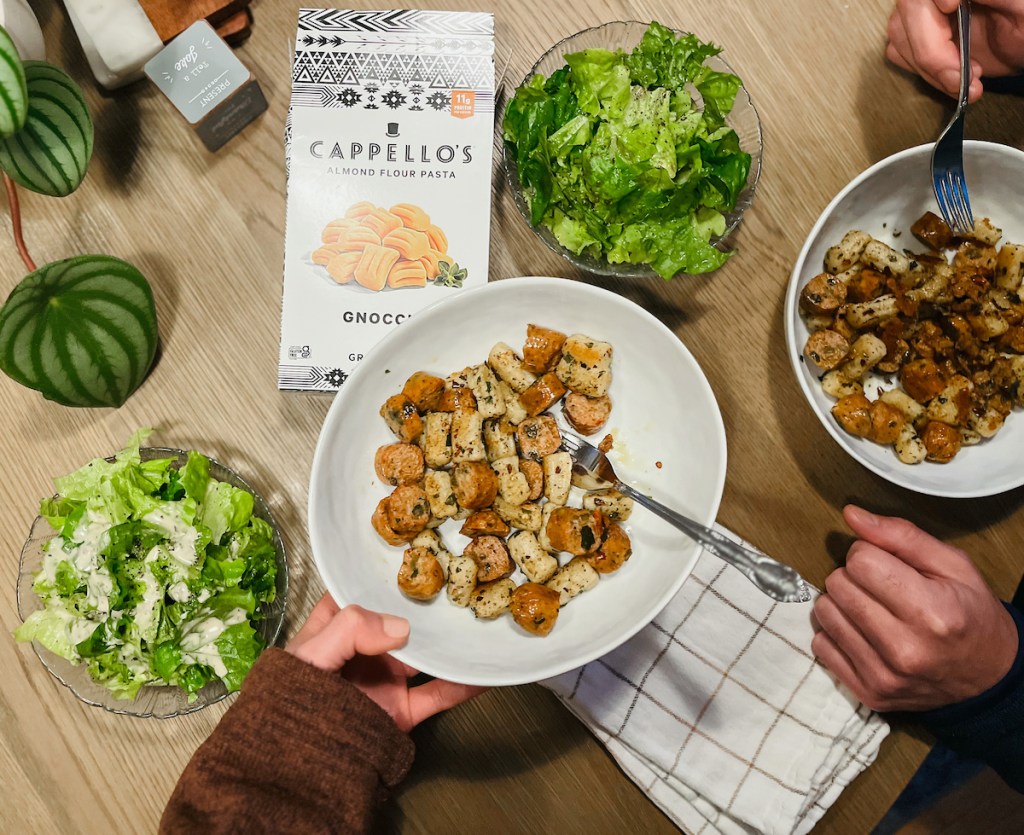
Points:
[[909, 623], [354, 640], [921, 40]]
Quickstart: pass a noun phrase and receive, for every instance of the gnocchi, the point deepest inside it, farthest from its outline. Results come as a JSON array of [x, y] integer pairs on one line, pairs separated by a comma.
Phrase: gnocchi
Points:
[[481, 447], [944, 327]]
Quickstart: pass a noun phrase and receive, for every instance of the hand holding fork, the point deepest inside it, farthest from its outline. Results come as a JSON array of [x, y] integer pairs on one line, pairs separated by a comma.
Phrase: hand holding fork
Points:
[[948, 178]]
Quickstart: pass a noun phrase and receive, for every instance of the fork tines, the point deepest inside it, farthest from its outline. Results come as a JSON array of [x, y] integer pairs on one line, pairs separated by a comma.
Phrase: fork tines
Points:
[[954, 202], [571, 442]]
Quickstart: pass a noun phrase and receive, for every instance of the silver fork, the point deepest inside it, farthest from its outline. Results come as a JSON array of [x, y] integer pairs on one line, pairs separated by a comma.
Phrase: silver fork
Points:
[[948, 178], [592, 467]]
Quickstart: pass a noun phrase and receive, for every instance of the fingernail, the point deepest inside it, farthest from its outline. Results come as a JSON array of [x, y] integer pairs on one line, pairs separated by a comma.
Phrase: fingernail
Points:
[[864, 517], [395, 627]]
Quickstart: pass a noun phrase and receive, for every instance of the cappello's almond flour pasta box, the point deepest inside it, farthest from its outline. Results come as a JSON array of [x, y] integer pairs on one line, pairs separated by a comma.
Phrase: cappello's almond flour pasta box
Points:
[[388, 147]]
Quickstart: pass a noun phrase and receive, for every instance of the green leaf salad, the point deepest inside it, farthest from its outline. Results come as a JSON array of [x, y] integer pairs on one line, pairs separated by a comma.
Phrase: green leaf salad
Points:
[[155, 574], [615, 158]]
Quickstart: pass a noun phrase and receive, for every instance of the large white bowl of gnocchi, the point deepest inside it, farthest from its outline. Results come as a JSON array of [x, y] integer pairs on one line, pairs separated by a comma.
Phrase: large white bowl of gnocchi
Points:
[[908, 339], [440, 490]]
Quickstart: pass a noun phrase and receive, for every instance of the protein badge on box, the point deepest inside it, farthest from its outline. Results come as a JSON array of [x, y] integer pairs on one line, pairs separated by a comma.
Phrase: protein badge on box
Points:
[[388, 147]]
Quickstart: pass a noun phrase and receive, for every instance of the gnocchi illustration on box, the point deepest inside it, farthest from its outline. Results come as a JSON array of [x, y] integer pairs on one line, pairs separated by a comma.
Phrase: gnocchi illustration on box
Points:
[[387, 249]]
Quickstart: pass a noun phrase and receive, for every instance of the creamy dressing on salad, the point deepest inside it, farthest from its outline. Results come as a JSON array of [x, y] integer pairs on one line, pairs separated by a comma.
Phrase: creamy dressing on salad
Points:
[[198, 643], [76, 581], [182, 535]]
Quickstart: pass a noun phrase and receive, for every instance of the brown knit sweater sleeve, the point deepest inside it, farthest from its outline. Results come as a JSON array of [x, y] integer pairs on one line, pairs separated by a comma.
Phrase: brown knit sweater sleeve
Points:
[[300, 750]]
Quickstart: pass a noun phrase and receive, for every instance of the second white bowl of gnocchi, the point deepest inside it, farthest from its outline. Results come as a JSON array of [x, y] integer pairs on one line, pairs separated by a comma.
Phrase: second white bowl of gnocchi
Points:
[[908, 340]]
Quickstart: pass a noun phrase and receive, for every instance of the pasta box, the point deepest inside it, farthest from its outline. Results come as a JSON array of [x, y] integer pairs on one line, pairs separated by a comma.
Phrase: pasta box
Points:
[[389, 151]]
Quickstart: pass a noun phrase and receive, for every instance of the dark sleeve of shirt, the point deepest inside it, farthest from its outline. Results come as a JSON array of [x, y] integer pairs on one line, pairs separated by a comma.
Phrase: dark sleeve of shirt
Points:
[[300, 750], [990, 726]]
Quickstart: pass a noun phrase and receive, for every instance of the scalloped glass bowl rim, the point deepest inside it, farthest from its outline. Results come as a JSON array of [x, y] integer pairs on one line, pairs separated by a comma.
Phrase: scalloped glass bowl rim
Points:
[[623, 28], [152, 701]]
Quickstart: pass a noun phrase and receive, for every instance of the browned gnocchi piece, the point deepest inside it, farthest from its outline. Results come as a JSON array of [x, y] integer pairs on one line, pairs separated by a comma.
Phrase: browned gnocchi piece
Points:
[[542, 349], [424, 390], [402, 418], [542, 394]]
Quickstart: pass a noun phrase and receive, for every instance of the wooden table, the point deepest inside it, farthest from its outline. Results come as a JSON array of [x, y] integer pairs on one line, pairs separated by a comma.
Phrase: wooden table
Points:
[[207, 229]]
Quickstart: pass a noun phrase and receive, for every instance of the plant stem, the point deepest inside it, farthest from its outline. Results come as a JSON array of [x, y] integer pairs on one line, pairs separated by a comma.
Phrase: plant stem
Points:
[[19, 240]]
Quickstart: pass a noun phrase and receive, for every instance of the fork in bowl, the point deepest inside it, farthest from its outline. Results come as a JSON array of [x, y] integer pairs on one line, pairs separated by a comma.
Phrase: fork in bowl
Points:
[[592, 468], [948, 179]]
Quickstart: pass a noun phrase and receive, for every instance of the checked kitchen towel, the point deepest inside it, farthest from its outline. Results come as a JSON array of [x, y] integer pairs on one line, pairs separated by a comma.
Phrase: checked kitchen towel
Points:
[[719, 712]]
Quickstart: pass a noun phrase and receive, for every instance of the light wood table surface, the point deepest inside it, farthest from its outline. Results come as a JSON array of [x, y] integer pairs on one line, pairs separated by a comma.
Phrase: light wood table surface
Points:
[[207, 230]]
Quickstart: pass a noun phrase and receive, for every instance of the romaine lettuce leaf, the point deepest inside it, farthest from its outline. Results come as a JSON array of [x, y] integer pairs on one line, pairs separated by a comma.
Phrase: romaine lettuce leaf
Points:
[[225, 509], [618, 161]]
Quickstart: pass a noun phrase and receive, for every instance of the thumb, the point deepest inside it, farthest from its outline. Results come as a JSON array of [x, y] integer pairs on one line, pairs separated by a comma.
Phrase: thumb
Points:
[[353, 631], [907, 542]]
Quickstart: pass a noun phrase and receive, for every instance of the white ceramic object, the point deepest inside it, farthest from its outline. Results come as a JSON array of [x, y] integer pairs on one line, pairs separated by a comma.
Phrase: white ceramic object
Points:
[[884, 201], [116, 36], [17, 17], [669, 439]]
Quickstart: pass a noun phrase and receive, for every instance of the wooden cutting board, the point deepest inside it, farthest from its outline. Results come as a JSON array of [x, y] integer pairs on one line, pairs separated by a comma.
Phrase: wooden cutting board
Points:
[[231, 18]]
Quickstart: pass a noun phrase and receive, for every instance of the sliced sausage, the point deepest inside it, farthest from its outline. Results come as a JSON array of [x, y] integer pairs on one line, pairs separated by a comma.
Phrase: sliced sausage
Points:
[[408, 510], [538, 436], [823, 295], [484, 522], [492, 558], [399, 464], [941, 441], [826, 349], [586, 414], [380, 523], [475, 484], [420, 575], [614, 552], [535, 608], [575, 530]]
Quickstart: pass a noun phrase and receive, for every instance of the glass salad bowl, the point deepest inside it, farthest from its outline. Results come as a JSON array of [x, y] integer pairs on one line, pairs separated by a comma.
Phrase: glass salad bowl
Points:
[[159, 701], [743, 119]]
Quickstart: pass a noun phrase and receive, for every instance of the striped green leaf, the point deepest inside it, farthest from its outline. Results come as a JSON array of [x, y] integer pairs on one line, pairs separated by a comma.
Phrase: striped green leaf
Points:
[[13, 92], [51, 151], [81, 331]]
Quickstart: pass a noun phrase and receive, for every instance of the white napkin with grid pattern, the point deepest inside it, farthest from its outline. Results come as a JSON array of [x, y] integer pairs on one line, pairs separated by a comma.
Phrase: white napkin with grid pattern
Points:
[[719, 712]]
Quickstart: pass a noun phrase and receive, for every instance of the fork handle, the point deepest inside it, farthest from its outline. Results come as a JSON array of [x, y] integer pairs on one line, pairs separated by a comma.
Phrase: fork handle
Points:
[[963, 26], [776, 580]]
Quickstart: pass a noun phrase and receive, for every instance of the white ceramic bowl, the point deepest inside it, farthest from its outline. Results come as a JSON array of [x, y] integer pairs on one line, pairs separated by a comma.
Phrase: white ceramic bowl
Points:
[[669, 439], [884, 201]]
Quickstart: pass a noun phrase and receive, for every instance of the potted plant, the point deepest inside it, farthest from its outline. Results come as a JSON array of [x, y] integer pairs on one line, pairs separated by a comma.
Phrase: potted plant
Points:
[[83, 330]]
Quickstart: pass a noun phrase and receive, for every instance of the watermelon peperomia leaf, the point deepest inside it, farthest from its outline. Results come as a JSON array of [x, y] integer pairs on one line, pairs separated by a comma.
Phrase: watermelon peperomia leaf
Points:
[[52, 150], [81, 331], [13, 92]]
